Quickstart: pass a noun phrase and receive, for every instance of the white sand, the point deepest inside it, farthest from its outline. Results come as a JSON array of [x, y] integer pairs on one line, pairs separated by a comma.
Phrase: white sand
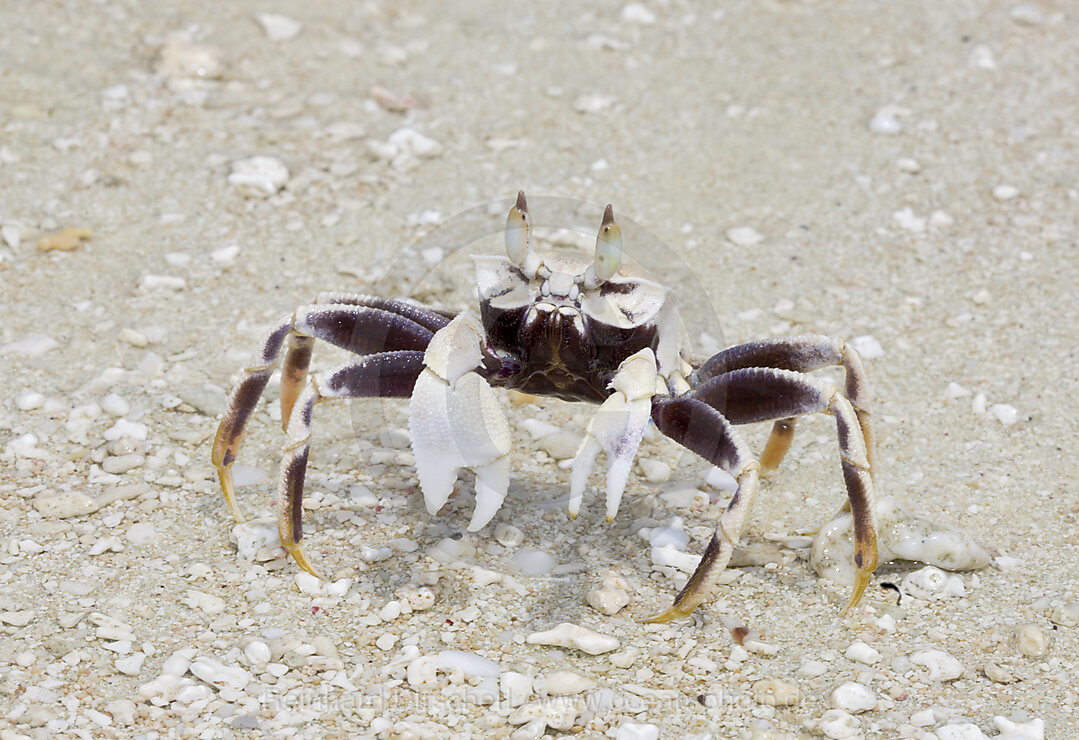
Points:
[[900, 171]]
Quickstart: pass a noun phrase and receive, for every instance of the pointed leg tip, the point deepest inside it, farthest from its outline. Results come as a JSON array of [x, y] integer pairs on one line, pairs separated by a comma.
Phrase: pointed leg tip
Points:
[[297, 554], [860, 584], [672, 613], [224, 476]]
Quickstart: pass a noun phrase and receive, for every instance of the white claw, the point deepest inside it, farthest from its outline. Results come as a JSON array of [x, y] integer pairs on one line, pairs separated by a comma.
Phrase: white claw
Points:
[[616, 428], [455, 422], [492, 482]]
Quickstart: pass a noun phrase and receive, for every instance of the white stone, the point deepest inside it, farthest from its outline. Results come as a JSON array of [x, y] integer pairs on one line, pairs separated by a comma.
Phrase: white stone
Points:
[[534, 562], [65, 505], [422, 673], [744, 236], [413, 142], [1009, 730], [29, 400], [32, 346], [862, 653], [571, 635], [386, 641], [567, 683], [931, 584], [655, 471], [670, 556], [120, 464], [338, 588], [114, 405], [178, 663], [960, 731], [278, 27], [515, 688], [151, 283], [255, 536], [607, 600], [838, 725], [941, 666], [1004, 413], [142, 533], [125, 428], [390, 611], [180, 59], [261, 175], [509, 535], [853, 697], [636, 731], [909, 222], [208, 603], [307, 583], [225, 255], [884, 121], [868, 347], [131, 665], [1031, 641], [258, 652], [219, 675], [1005, 192], [638, 13]]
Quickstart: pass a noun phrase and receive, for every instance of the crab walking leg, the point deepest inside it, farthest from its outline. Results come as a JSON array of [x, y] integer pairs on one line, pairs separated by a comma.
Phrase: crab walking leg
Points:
[[384, 375], [616, 428], [801, 354], [359, 329], [761, 394], [455, 422], [701, 429]]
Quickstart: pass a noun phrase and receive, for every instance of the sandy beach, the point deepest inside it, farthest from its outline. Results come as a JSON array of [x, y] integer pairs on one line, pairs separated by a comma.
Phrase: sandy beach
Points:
[[176, 177]]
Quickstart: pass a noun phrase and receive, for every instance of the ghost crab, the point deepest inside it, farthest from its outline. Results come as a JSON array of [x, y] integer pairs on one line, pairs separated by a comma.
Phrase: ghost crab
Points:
[[572, 328]]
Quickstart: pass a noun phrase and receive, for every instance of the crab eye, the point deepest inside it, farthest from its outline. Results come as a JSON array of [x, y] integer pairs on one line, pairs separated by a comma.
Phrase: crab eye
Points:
[[518, 231], [608, 247]]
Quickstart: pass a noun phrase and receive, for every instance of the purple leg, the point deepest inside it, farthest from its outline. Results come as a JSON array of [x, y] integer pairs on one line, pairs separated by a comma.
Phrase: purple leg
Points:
[[700, 428], [760, 394], [384, 375], [800, 354], [350, 324]]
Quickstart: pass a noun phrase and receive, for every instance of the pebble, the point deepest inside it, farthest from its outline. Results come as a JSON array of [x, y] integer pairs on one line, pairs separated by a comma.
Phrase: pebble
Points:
[[672, 534], [422, 673], [179, 59], [773, 692], [515, 688], [29, 400], [997, 674], [862, 653], [561, 445], [134, 338], [64, 241], [853, 697], [19, 618], [655, 471], [114, 405], [1004, 413], [130, 665], [868, 347], [1011, 730], [11, 235], [142, 533], [125, 428], [838, 724], [960, 731], [65, 505], [257, 538], [909, 222], [567, 683], [609, 598], [670, 556], [636, 731], [119, 464], [410, 141], [932, 584], [278, 27], [637, 13], [1031, 641], [259, 175], [207, 603], [257, 652], [744, 236], [32, 346], [307, 583], [1005, 192], [941, 666], [152, 283], [219, 675], [558, 715], [1065, 615], [884, 121], [533, 562], [386, 641], [593, 102], [571, 635], [509, 535]]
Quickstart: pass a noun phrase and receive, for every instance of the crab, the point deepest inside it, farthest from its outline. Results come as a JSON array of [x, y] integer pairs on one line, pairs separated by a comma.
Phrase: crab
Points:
[[577, 329]]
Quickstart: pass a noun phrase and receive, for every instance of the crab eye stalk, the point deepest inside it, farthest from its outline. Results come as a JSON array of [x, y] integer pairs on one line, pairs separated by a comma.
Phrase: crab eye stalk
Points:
[[519, 231], [608, 247]]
